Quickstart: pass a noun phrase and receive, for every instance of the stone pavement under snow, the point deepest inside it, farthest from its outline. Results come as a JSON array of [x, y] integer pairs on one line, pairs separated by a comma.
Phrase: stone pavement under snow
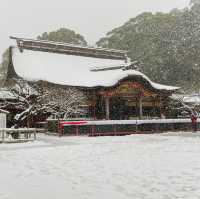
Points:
[[159, 166]]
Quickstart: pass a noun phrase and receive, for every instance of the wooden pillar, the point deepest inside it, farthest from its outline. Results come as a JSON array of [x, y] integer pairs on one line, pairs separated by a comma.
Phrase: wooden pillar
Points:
[[154, 107], [94, 112], [140, 107], [107, 107], [160, 106], [94, 99]]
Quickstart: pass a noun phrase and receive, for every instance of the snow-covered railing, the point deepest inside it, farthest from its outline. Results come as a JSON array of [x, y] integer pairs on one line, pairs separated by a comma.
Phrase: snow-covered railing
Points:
[[17, 135], [121, 122], [122, 127]]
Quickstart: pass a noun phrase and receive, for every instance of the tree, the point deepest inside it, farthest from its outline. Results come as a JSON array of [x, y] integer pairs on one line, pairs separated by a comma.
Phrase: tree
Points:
[[194, 2], [64, 102], [180, 106], [64, 35], [167, 44], [29, 101], [36, 99], [3, 66]]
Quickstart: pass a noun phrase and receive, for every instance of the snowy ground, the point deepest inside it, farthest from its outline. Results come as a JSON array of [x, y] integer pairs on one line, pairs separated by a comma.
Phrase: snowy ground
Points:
[[156, 166]]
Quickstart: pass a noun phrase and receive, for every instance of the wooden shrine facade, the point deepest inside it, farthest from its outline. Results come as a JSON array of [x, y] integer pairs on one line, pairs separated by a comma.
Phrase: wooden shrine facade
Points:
[[129, 99]]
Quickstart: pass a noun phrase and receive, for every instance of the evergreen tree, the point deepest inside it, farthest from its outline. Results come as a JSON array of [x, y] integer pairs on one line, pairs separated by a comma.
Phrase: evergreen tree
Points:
[[168, 45], [64, 35]]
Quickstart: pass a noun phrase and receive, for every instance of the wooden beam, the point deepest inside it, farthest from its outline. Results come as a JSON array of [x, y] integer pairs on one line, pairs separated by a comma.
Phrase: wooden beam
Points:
[[140, 107], [70, 49]]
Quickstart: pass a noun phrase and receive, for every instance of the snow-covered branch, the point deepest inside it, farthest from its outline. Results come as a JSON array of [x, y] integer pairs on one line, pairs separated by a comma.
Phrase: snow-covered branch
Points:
[[37, 98]]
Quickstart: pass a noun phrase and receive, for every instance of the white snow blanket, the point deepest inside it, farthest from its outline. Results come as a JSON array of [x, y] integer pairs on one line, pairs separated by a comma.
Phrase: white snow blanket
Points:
[[72, 70], [140, 166]]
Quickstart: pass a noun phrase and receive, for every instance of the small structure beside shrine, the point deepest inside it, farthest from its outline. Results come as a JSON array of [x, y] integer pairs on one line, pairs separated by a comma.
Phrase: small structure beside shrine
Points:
[[10, 135]]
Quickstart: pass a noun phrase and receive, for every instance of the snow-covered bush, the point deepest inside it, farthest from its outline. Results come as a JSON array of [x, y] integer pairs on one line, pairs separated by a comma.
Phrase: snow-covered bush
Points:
[[38, 100]]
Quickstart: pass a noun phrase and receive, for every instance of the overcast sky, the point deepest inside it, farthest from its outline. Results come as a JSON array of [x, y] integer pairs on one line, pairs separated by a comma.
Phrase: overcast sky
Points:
[[91, 18]]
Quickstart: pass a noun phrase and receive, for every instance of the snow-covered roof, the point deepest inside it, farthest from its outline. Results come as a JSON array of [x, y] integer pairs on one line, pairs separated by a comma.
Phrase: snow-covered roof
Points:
[[72, 70]]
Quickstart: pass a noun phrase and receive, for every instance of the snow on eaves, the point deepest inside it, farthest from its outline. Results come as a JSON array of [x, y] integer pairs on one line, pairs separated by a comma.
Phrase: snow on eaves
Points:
[[72, 70]]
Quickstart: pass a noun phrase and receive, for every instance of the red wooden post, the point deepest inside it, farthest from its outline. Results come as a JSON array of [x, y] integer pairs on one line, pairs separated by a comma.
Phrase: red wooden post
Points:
[[60, 128]]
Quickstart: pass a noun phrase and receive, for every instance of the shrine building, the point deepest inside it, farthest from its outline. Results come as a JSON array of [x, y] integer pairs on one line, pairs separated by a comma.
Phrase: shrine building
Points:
[[115, 89]]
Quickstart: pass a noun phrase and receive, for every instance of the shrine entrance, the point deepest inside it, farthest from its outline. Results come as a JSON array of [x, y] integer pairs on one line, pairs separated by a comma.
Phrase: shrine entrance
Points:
[[129, 100], [118, 109]]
